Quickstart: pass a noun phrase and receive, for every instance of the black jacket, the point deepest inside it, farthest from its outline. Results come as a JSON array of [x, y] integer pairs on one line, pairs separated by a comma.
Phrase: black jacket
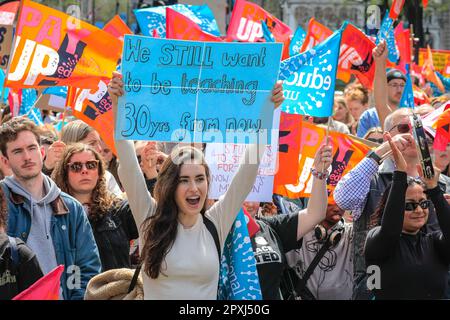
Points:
[[113, 233], [16, 278]]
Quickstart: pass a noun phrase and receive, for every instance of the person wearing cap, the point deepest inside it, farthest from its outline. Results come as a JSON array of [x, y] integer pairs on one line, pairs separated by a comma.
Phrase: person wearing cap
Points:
[[332, 278], [388, 90]]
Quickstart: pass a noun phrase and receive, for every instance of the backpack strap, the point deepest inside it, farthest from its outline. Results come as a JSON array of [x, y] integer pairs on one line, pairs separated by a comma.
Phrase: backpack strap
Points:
[[302, 283], [135, 277], [14, 251], [212, 229]]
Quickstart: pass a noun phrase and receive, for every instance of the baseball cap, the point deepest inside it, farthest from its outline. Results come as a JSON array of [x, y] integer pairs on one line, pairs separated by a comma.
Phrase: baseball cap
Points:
[[395, 74]]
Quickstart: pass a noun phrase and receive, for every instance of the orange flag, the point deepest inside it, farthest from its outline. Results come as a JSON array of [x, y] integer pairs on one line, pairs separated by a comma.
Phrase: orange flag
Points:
[[46, 288], [428, 71], [317, 33], [347, 153], [94, 106], [117, 27], [55, 49]]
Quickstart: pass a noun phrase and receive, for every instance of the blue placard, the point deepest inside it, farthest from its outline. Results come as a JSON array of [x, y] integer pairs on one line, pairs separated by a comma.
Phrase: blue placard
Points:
[[186, 91]]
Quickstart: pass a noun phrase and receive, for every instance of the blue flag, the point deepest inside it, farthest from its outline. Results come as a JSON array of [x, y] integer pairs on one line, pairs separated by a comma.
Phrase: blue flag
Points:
[[297, 41], [56, 91], [445, 82], [309, 79], [407, 100], [150, 19], [268, 36], [4, 89], [29, 97], [387, 33], [238, 278]]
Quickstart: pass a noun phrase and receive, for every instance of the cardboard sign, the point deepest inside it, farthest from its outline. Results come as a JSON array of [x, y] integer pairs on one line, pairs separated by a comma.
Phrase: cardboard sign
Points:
[[6, 36], [224, 160], [185, 91]]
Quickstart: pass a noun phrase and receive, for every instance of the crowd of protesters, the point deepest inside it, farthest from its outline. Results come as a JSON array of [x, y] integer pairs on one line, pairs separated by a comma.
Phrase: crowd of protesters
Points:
[[66, 199]]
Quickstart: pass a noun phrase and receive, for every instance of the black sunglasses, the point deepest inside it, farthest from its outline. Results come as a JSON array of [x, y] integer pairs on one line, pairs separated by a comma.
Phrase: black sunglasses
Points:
[[78, 166], [379, 140], [402, 127], [411, 206]]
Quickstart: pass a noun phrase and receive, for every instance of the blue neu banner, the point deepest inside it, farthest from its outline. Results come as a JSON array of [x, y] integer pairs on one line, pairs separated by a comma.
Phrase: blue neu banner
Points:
[[185, 91], [309, 79], [238, 278]]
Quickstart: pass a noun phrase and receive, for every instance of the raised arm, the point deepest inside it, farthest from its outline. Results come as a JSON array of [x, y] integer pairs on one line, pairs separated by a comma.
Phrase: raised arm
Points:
[[380, 88], [141, 202], [381, 241], [317, 204], [224, 212]]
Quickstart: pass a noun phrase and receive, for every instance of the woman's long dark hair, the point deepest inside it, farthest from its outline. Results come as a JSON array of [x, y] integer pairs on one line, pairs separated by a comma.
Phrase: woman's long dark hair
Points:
[[375, 218], [160, 229]]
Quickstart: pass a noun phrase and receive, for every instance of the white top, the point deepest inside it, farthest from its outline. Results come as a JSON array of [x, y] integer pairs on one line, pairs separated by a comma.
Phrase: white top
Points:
[[191, 267]]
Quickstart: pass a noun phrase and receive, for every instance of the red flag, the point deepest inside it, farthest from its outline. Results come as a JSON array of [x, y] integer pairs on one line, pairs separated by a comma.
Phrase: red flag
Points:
[[117, 27], [288, 148], [8, 12], [252, 226], [15, 101], [396, 8], [356, 56], [420, 97], [46, 288], [180, 27], [442, 126], [317, 33], [425, 3], [402, 37], [245, 25]]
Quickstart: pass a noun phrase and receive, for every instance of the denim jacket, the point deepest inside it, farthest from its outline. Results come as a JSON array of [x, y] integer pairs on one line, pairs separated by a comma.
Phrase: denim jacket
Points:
[[74, 243]]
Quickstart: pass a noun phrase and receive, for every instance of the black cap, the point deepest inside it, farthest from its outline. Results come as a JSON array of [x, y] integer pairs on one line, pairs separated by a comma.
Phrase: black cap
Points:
[[395, 74]]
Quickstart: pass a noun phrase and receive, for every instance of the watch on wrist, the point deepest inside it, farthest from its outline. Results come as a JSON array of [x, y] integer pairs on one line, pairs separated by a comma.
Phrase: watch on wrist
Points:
[[374, 156]]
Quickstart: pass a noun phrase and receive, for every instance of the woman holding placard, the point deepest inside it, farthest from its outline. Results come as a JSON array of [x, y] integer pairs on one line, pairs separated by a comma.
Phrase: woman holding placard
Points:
[[180, 239]]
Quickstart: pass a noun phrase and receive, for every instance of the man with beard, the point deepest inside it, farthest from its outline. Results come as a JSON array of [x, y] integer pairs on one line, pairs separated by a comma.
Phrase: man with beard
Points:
[[50, 222], [332, 278]]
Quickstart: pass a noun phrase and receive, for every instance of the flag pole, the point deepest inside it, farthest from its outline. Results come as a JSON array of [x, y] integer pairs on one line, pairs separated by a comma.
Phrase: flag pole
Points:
[[327, 137]]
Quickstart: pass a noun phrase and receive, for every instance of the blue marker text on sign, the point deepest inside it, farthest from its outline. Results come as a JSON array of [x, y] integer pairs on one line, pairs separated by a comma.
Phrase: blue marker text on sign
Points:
[[185, 91]]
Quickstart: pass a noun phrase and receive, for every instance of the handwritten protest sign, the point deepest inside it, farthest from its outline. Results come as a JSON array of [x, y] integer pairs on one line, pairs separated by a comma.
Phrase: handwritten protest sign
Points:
[[224, 160], [347, 153], [6, 36], [185, 91]]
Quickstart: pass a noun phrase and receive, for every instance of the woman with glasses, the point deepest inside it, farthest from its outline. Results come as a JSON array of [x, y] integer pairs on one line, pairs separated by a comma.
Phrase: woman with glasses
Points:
[[81, 173], [413, 264]]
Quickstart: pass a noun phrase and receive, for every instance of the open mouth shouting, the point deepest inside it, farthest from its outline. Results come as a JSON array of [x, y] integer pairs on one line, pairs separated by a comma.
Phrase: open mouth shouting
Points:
[[193, 202]]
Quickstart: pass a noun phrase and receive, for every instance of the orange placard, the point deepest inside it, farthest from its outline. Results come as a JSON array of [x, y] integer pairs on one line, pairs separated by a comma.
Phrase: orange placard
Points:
[[347, 153], [440, 58], [55, 49], [94, 106]]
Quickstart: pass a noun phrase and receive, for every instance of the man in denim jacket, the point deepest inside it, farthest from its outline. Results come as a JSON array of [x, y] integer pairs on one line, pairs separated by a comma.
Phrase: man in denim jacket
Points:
[[52, 223]]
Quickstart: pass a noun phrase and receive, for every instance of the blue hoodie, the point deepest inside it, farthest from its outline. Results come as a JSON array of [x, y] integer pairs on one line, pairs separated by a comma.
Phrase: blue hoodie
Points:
[[68, 230]]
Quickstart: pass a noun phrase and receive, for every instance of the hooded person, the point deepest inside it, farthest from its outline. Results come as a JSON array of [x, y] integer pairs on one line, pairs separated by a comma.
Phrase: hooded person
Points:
[[50, 222]]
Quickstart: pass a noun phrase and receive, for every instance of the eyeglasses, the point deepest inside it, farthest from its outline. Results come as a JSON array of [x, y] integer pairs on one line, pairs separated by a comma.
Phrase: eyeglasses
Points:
[[402, 127], [396, 86], [78, 166], [379, 140], [411, 206]]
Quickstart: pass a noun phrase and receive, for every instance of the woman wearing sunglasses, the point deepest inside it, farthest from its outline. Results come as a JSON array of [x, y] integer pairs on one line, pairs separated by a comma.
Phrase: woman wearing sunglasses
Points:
[[81, 173], [413, 264]]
